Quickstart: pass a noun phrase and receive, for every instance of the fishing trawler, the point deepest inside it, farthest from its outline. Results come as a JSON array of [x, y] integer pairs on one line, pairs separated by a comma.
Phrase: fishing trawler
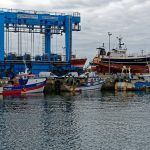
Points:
[[114, 60]]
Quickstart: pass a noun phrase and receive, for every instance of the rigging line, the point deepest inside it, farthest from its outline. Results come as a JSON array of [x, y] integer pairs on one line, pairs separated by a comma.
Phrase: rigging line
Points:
[[33, 44], [43, 43], [24, 42], [18, 41], [21, 43], [27, 42], [39, 44], [63, 47], [41, 49], [52, 41], [8, 39], [56, 43]]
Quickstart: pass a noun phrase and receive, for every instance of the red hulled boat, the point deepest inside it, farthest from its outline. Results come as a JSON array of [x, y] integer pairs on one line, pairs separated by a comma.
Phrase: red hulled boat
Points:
[[78, 62], [117, 59]]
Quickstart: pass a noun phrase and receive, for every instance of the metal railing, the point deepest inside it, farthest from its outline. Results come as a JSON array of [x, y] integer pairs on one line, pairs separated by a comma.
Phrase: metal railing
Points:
[[76, 14]]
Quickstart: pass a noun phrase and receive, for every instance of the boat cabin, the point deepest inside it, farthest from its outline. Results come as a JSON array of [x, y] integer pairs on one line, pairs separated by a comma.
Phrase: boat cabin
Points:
[[118, 53]]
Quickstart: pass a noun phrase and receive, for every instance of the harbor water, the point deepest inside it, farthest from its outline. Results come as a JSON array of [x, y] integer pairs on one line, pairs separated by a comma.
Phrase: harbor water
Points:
[[86, 121]]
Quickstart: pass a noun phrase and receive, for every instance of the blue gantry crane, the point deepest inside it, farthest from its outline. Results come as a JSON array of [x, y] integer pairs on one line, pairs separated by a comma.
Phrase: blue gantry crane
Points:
[[29, 21]]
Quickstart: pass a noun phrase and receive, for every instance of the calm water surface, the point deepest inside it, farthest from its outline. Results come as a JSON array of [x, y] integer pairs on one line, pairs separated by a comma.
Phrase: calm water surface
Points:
[[89, 121]]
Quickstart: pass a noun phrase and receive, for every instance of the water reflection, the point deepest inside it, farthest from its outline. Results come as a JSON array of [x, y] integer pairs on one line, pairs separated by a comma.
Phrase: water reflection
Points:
[[18, 120], [125, 93], [90, 120], [59, 123]]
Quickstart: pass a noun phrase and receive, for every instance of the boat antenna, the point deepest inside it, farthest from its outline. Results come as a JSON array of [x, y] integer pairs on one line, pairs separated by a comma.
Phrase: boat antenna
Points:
[[103, 45], [120, 42], [142, 51]]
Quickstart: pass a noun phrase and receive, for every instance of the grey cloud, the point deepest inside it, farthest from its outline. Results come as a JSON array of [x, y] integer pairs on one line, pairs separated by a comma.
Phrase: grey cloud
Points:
[[129, 18]]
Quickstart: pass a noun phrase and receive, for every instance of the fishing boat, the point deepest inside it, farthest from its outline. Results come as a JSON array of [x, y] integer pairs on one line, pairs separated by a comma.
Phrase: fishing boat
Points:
[[27, 83], [140, 86], [94, 82], [137, 83], [145, 84], [114, 60]]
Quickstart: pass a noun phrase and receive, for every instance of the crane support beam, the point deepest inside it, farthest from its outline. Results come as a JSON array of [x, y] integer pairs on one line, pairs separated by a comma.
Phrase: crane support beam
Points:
[[68, 38], [31, 20], [48, 43]]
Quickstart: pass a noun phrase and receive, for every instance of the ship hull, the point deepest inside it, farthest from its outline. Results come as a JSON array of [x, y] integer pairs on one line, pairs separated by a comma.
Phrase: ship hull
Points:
[[32, 86], [128, 61], [115, 68], [136, 64], [78, 62]]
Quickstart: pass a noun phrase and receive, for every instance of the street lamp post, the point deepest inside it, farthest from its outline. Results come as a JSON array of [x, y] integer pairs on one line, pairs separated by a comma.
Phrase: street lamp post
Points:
[[109, 34]]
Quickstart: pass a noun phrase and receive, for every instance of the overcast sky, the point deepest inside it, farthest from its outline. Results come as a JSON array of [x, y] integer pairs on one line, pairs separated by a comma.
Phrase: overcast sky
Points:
[[128, 18]]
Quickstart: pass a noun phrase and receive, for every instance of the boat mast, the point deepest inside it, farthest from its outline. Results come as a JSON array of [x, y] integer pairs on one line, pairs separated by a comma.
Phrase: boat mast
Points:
[[120, 42]]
